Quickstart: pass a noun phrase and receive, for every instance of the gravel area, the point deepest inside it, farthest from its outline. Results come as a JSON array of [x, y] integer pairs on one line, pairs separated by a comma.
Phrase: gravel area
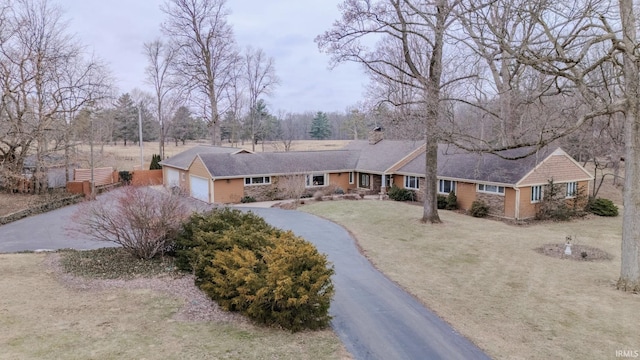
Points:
[[197, 306]]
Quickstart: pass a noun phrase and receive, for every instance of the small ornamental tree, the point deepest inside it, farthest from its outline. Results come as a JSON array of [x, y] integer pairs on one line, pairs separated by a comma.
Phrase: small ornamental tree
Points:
[[143, 221]]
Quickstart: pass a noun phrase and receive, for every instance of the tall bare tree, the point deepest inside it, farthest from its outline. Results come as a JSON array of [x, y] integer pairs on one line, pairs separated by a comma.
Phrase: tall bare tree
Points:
[[577, 45], [206, 54], [160, 59], [419, 31], [261, 80]]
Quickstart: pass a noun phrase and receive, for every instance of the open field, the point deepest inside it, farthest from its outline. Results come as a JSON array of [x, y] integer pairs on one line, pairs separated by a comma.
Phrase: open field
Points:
[[127, 157], [40, 318], [485, 278]]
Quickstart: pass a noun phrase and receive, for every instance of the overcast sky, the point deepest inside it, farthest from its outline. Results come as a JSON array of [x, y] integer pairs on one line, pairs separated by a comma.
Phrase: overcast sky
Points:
[[116, 29]]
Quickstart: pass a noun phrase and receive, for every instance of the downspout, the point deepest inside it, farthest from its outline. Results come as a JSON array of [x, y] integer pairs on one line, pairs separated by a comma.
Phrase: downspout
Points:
[[517, 208]]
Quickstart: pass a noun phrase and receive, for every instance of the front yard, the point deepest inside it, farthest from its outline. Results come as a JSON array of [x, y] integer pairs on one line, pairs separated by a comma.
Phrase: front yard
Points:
[[486, 278]]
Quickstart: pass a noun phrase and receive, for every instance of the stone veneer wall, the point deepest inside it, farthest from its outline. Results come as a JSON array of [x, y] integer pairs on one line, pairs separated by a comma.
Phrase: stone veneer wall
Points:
[[495, 202]]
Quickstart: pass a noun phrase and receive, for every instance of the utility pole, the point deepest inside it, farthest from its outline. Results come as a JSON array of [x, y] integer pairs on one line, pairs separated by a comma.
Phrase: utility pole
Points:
[[140, 135]]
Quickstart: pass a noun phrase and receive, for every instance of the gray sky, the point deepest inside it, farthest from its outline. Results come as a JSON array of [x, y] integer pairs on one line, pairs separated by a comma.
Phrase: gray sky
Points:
[[116, 29]]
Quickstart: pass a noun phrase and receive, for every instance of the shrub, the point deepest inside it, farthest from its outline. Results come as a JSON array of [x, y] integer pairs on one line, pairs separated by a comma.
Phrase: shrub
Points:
[[441, 201], [125, 177], [338, 191], [143, 221], [479, 209], [247, 199], [246, 265], [317, 196], [155, 162], [602, 207], [452, 201], [204, 233], [398, 194]]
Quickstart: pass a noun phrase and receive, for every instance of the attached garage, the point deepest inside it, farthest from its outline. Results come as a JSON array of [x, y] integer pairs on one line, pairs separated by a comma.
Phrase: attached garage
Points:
[[199, 188]]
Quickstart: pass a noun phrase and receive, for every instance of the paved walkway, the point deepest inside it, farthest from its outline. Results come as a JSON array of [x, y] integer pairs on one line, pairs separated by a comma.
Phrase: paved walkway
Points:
[[373, 317]]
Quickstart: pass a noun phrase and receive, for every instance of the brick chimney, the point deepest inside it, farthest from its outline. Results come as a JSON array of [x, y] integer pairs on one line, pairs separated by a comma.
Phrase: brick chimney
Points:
[[376, 135]]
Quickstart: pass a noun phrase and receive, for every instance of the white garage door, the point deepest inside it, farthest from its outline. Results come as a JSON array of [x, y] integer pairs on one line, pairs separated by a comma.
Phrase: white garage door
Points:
[[173, 178], [199, 188]]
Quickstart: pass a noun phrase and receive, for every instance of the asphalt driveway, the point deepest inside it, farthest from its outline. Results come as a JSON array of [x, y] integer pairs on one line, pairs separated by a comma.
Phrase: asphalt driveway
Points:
[[373, 317]]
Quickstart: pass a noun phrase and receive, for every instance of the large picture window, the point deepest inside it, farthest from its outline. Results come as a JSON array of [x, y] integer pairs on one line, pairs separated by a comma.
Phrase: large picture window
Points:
[[365, 181], [258, 180], [491, 189], [536, 193], [446, 186], [411, 182], [316, 180]]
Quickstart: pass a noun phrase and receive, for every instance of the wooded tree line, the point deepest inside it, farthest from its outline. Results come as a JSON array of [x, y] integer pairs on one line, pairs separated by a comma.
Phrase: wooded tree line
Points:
[[486, 75]]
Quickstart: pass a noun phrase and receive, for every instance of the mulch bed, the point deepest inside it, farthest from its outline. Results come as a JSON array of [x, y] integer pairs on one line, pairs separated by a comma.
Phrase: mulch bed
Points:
[[578, 252]]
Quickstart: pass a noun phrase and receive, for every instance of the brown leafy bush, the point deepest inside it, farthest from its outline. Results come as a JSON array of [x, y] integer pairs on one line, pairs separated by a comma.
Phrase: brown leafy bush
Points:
[[143, 221]]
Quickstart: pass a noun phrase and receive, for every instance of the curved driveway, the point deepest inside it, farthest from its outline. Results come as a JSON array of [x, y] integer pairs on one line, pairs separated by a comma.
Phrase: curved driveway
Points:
[[373, 317]]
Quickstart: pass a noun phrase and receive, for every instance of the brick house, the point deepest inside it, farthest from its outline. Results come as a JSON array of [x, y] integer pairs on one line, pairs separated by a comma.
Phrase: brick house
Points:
[[512, 188]]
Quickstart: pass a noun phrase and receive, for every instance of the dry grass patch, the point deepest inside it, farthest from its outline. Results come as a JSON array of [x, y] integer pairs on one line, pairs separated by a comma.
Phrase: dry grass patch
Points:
[[485, 278], [127, 157], [43, 318]]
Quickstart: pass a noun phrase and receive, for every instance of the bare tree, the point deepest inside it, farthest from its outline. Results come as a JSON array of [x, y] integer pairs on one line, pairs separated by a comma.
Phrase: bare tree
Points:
[[206, 54], [576, 44], [160, 57], [261, 80], [45, 79], [417, 32]]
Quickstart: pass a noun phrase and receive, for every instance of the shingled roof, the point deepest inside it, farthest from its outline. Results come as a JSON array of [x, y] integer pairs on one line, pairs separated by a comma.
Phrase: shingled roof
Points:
[[456, 163], [278, 163], [381, 156], [183, 160]]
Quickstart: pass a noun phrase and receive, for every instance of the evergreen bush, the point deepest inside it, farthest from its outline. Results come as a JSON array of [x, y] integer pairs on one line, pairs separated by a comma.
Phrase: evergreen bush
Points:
[[479, 209], [398, 194], [602, 207], [247, 199], [155, 162], [441, 201], [246, 265], [125, 177], [452, 201]]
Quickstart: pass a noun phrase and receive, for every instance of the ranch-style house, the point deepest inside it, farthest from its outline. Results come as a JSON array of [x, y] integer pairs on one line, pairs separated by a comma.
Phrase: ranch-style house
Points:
[[511, 188]]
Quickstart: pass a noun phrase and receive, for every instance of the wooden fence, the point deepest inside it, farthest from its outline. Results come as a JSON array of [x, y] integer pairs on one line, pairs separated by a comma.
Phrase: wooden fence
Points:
[[101, 176]]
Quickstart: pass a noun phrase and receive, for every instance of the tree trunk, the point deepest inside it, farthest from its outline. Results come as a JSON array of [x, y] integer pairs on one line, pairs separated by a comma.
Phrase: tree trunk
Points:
[[630, 261]]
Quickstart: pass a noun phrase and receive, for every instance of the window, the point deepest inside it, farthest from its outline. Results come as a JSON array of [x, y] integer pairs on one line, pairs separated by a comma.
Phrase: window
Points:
[[493, 189], [315, 180], [572, 189], [364, 180], [536, 193], [446, 186], [259, 180], [351, 177], [411, 182]]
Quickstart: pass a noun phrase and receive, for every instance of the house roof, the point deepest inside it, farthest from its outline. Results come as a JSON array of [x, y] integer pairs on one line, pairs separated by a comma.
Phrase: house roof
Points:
[[243, 164], [381, 156], [456, 163], [183, 160]]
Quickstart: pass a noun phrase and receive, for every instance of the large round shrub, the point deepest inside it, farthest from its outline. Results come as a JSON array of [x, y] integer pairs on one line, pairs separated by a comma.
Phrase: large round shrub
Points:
[[248, 266], [479, 209]]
